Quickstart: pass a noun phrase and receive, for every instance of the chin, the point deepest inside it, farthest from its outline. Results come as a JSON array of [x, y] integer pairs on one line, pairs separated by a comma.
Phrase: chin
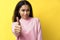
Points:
[[26, 17]]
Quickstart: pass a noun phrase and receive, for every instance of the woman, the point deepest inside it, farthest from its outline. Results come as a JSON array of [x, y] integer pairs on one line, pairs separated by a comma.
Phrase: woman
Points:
[[24, 26]]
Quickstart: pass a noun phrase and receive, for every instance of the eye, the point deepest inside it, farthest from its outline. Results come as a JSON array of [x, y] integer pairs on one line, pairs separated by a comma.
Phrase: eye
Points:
[[23, 10], [28, 10]]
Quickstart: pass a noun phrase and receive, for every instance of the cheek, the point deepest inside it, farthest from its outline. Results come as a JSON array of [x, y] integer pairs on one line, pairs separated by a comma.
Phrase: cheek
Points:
[[28, 12], [21, 13]]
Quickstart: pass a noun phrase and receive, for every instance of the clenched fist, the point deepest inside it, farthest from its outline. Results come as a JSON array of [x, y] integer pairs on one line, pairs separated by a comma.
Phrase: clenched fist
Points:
[[17, 28]]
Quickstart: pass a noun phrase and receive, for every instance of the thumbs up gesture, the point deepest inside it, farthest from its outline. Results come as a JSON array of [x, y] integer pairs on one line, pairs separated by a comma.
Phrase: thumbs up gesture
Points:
[[17, 28]]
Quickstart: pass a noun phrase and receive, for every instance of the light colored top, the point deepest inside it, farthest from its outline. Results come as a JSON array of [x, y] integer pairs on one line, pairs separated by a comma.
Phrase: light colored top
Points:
[[31, 29]]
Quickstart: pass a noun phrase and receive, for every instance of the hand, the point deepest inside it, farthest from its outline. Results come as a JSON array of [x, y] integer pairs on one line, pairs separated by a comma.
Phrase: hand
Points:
[[17, 28]]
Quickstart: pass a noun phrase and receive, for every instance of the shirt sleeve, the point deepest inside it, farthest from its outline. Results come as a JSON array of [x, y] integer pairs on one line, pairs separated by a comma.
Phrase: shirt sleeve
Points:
[[39, 34], [13, 26]]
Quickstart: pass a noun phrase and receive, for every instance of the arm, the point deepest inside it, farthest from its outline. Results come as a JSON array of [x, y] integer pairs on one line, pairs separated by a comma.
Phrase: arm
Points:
[[13, 29], [39, 35]]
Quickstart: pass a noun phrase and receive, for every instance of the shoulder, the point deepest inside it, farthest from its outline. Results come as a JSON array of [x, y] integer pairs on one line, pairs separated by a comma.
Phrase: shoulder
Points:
[[36, 19]]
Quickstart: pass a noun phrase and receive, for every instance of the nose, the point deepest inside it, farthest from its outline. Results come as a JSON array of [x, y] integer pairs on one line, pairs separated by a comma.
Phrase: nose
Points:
[[25, 12]]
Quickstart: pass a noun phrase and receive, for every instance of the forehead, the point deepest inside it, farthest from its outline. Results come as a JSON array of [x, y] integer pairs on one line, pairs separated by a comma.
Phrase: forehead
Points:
[[25, 7]]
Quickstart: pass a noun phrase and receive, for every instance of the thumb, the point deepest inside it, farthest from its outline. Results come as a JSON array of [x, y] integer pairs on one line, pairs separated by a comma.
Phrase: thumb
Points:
[[17, 19]]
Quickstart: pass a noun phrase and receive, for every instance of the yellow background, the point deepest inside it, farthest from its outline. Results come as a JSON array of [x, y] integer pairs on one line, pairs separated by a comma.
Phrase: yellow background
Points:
[[48, 11]]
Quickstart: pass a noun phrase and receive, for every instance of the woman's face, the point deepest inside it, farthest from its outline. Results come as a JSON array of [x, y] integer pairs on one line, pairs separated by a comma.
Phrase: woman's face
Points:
[[24, 11]]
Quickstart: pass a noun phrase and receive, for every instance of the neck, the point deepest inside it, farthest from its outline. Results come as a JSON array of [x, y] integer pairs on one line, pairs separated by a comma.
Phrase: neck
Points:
[[25, 18]]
